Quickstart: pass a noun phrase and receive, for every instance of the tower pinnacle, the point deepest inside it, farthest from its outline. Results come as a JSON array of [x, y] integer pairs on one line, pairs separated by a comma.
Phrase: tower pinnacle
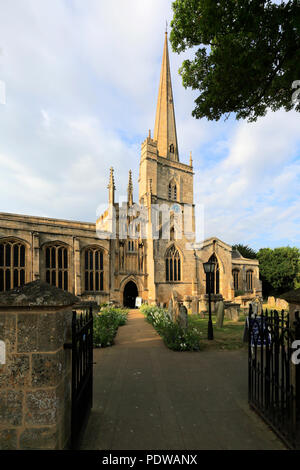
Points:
[[165, 126], [130, 189], [111, 187]]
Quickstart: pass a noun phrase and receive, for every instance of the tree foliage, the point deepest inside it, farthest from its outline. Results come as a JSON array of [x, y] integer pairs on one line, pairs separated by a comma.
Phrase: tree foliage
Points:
[[279, 269], [248, 59], [245, 251]]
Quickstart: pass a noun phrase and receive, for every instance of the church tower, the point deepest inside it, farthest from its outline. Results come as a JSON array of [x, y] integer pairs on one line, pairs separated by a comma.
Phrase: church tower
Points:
[[171, 184]]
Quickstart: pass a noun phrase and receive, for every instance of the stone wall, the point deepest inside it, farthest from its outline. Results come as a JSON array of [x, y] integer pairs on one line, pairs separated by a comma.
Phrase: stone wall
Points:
[[35, 374]]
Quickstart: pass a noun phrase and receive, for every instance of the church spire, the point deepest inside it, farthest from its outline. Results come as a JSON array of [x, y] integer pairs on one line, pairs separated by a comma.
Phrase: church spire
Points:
[[165, 125]]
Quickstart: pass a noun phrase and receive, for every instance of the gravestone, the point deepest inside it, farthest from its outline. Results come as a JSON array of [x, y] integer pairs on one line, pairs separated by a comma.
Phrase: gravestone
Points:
[[194, 307], [183, 317], [220, 314], [170, 310]]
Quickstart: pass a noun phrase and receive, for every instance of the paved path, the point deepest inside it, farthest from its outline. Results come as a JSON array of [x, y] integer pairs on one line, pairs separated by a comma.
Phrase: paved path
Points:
[[149, 397]]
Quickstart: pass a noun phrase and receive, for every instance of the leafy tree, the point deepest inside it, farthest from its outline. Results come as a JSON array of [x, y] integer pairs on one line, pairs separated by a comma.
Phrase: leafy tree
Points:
[[245, 251], [249, 55], [279, 269]]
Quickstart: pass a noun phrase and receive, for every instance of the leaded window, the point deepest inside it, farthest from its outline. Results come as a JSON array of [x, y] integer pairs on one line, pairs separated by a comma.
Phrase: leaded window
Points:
[[12, 264], [235, 275], [249, 280], [57, 265], [93, 270], [173, 265]]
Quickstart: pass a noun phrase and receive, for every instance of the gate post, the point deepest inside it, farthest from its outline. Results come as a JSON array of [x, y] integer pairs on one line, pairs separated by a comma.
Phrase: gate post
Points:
[[35, 396]]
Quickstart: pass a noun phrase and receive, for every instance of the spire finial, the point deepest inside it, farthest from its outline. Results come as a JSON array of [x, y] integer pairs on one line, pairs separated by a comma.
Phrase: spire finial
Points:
[[191, 159], [166, 27]]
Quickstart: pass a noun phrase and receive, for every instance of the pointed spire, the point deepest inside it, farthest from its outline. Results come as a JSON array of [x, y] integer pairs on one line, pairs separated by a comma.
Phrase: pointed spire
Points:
[[130, 189], [111, 187], [165, 125]]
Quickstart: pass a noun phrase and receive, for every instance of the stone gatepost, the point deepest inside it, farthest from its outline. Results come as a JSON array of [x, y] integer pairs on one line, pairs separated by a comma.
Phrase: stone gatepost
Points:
[[35, 370]]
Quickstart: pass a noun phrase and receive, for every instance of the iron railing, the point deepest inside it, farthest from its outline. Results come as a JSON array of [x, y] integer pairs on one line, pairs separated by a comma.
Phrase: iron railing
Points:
[[82, 372], [273, 377]]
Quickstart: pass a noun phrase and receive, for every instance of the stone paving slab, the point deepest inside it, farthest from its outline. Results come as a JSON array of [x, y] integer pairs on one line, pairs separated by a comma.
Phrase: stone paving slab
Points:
[[151, 398]]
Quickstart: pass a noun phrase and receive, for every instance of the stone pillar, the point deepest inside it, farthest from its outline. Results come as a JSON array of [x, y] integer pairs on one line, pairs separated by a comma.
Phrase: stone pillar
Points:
[[35, 370], [77, 267]]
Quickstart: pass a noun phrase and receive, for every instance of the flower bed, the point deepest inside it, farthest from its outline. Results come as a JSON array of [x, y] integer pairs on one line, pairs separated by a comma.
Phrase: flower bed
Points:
[[106, 325], [175, 337]]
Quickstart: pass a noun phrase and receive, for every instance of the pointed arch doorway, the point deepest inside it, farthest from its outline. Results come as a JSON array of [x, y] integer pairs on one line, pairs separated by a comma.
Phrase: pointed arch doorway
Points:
[[130, 294]]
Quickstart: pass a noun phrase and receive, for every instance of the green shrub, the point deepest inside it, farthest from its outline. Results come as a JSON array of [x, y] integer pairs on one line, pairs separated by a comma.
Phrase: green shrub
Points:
[[175, 337], [106, 325]]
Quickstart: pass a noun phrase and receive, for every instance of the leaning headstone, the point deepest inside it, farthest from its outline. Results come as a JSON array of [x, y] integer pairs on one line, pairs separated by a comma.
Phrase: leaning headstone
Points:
[[271, 301], [282, 304], [183, 317], [254, 307], [194, 307], [170, 310], [220, 314], [175, 311]]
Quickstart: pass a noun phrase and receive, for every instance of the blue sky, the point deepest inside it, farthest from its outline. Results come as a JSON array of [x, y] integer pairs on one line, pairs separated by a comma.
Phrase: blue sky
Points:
[[81, 81]]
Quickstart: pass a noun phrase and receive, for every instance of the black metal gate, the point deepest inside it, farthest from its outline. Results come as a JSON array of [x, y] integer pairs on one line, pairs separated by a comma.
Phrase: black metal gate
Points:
[[274, 390], [82, 372]]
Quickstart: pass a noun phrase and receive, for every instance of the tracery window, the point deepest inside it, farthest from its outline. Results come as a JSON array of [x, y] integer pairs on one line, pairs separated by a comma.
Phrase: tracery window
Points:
[[249, 280], [175, 192], [173, 265], [12, 264], [57, 265], [235, 275], [172, 192], [93, 270], [131, 246]]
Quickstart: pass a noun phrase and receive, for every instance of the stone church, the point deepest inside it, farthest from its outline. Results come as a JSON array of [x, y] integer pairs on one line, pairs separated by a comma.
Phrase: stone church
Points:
[[119, 261]]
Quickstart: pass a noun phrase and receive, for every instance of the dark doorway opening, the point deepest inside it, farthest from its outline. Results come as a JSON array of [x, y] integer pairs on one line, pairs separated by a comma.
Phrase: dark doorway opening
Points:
[[130, 294]]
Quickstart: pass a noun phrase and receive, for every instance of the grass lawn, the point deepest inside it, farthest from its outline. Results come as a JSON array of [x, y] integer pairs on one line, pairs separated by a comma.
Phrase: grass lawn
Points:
[[230, 337]]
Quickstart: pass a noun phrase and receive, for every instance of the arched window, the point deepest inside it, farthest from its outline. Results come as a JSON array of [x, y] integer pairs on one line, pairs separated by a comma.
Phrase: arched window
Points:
[[93, 270], [12, 264], [172, 193], [213, 279], [175, 192], [249, 280], [172, 148], [173, 265], [235, 275], [57, 265]]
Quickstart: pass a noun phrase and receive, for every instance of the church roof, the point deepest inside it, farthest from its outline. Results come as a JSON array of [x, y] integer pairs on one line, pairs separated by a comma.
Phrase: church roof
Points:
[[165, 126], [236, 254]]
